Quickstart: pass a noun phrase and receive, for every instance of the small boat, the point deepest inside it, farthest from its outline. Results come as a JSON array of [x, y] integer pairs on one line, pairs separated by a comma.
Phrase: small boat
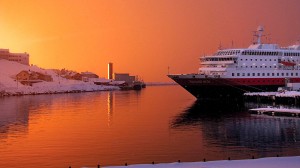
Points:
[[137, 85]]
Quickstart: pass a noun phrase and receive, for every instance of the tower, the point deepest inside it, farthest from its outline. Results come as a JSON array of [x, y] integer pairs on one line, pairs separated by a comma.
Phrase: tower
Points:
[[110, 71]]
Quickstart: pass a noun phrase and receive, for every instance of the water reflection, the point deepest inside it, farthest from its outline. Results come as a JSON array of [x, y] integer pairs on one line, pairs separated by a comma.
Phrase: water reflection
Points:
[[120, 99], [134, 127], [200, 112], [17, 112], [13, 118], [232, 125], [110, 104]]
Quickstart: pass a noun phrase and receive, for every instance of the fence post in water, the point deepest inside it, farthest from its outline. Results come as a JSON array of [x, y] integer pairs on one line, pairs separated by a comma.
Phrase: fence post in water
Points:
[[204, 160], [98, 166], [178, 161]]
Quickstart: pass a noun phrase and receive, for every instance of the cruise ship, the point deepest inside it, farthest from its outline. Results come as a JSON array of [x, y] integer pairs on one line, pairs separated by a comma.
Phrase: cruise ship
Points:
[[229, 73]]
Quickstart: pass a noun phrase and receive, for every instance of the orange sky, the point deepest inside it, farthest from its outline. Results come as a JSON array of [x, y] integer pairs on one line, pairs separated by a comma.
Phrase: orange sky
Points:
[[142, 37]]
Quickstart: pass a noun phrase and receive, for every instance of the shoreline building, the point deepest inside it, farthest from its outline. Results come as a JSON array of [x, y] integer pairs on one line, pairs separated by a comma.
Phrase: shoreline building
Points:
[[124, 77], [110, 71], [22, 58]]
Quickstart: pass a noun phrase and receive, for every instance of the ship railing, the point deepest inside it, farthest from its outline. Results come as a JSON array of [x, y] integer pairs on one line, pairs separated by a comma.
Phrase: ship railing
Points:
[[216, 62]]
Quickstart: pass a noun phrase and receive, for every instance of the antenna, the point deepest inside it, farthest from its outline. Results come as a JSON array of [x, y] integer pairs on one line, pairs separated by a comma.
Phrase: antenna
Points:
[[268, 38], [220, 46], [254, 34]]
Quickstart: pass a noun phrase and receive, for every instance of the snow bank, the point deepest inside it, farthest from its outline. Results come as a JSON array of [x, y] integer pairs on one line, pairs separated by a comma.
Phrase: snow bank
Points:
[[273, 162], [9, 86]]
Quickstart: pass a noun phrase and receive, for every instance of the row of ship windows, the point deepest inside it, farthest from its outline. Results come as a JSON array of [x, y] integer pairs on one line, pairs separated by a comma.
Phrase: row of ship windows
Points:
[[259, 53], [291, 54], [231, 52], [257, 66], [235, 52], [258, 59], [219, 59], [269, 60], [234, 59], [253, 66], [264, 74], [268, 53]]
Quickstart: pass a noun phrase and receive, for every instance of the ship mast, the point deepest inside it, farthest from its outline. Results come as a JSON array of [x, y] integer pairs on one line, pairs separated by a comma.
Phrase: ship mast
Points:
[[259, 32]]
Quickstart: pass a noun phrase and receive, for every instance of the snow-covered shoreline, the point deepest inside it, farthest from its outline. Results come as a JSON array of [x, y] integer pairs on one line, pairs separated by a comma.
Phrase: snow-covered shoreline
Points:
[[44, 89], [271, 162], [9, 86]]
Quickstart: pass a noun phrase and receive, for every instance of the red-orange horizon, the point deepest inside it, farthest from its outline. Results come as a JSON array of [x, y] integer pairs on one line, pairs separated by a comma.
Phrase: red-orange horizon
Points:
[[140, 37]]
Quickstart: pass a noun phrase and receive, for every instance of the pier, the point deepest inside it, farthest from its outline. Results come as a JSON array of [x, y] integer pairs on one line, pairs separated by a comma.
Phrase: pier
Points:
[[274, 111], [284, 97]]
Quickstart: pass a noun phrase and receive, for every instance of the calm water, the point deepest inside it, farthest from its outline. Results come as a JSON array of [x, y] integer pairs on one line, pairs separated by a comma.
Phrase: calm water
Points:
[[161, 124]]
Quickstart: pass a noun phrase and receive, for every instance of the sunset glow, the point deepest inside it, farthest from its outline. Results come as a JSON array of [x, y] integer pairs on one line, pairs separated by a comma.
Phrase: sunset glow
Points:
[[140, 37]]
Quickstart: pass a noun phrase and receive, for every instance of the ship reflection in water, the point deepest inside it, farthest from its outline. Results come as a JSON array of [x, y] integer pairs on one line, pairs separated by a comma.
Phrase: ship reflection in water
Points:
[[231, 127]]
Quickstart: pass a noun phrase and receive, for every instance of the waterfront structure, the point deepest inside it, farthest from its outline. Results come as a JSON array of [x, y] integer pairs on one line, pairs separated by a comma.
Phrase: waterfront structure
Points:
[[124, 77], [89, 75], [231, 72], [110, 70], [30, 77], [86, 76], [22, 58], [23, 75]]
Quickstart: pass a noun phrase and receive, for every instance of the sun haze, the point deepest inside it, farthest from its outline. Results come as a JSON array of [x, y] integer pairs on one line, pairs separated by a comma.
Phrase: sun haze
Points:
[[141, 37]]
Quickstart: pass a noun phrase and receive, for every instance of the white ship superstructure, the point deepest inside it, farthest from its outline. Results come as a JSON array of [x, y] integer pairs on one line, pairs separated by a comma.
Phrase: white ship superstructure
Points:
[[228, 72]]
